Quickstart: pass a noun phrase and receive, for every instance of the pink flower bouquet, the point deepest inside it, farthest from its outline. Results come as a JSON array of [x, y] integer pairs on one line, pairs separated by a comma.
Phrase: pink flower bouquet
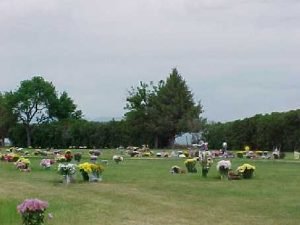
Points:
[[32, 211], [46, 163]]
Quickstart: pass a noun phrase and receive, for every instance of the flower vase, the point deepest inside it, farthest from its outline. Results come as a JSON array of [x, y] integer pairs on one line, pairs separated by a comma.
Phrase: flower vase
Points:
[[223, 172], [94, 177], [67, 179], [85, 176], [248, 173], [191, 168], [204, 171]]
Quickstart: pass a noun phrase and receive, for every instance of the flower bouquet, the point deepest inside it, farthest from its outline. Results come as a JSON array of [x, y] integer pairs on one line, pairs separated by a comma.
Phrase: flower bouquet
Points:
[[32, 211], [117, 158], [90, 171], [223, 167], [191, 165], [46, 163], [93, 158], [177, 169], [23, 164], [206, 162], [246, 170], [11, 157], [68, 156], [77, 156], [67, 170], [60, 158], [240, 154], [95, 152]]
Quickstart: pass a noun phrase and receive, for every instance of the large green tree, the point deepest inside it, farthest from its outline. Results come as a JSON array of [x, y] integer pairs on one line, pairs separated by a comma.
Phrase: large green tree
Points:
[[176, 109], [63, 107], [6, 118], [159, 112], [36, 102], [138, 117]]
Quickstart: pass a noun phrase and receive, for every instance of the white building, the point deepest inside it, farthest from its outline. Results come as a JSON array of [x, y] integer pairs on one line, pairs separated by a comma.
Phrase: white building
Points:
[[187, 139]]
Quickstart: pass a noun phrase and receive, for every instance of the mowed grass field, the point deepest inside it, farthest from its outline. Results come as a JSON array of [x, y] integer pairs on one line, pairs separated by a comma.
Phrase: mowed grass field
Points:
[[142, 191]]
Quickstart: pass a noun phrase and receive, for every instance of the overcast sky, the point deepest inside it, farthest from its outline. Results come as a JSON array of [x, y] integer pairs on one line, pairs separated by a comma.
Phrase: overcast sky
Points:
[[239, 57]]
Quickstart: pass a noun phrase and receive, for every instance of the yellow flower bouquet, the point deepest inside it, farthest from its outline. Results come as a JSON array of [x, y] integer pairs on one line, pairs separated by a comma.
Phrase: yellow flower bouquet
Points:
[[191, 165], [23, 164], [91, 171], [246, 170]]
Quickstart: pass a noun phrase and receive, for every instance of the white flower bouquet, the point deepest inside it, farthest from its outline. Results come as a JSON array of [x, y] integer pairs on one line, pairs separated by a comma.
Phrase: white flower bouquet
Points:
[[67, 170], [223, 167], [117, 158]]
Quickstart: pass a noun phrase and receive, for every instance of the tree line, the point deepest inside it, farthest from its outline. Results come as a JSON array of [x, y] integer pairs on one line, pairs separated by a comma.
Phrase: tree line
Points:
[[260, 132], [36, 115]]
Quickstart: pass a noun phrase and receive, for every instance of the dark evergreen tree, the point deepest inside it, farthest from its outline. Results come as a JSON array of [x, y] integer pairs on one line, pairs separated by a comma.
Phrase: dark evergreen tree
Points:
[[158, 112]]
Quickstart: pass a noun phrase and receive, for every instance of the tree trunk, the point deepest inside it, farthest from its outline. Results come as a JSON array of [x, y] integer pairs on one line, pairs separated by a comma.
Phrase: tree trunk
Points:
[[156, 142], [172, 141], [28, 135]]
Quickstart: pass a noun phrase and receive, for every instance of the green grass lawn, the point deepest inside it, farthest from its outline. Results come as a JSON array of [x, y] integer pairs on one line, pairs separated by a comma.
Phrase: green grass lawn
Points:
[[142, 191]]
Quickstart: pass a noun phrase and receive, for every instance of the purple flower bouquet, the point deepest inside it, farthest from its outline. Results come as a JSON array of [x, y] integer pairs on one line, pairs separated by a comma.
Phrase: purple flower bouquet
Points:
[[32, 211]]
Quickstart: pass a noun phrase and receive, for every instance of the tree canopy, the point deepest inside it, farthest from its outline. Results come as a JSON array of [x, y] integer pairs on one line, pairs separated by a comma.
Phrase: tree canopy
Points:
[[159, 112], [263, 132], [6, 118], [36, 102], [36, 115]]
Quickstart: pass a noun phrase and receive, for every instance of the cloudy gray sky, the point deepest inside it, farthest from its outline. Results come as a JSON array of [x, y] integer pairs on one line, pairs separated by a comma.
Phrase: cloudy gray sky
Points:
[[239, 57]]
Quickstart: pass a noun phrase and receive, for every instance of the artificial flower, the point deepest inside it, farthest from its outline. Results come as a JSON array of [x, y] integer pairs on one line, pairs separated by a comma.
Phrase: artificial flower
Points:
[[224, 164], [245, 166], [67, 169], [117, 158], [32, 211], [191, 165], [46, 163]]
